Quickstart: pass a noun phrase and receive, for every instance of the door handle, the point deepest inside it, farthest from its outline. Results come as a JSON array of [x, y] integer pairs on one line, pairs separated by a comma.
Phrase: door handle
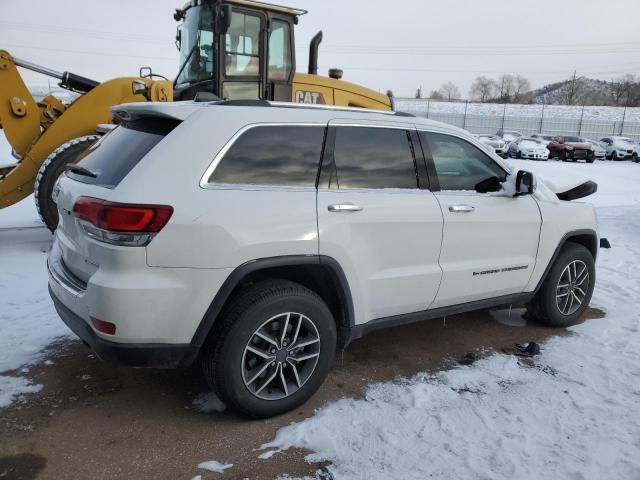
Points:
[[344, 207], [461, 209]]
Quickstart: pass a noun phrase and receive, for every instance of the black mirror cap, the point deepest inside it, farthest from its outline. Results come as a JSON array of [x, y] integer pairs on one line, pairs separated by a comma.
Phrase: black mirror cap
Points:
[[583, 190], [491, 184], [525, 183]]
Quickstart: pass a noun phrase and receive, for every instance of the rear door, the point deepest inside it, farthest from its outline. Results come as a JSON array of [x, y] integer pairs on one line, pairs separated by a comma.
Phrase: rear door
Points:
[[377, 220], [490, 240]]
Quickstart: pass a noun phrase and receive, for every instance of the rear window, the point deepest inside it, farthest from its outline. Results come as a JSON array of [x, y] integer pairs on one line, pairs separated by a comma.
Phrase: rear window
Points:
[[273, 155], [368, 157], [119, 151]]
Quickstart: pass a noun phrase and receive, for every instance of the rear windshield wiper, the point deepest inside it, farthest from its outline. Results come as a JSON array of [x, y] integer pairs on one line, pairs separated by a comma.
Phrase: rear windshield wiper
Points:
[[77, 169]]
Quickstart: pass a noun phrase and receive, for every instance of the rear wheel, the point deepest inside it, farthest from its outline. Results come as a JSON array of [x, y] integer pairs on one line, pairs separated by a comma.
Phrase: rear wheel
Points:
[[635, 158], [49, 172], [273, 349], [566, 292]]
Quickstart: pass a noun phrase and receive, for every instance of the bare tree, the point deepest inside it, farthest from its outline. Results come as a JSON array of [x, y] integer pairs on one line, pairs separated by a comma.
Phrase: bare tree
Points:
[[521, 87], [622, 90], [482, 89], [450, 91], [505, 87], [436, 95], [419, 92], [571, 91]]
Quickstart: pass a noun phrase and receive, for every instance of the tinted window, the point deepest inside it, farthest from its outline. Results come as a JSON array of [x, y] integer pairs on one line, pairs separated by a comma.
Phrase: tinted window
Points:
[[243, 46], [459, 165], [115, 154], [373, 158], [273, 156]]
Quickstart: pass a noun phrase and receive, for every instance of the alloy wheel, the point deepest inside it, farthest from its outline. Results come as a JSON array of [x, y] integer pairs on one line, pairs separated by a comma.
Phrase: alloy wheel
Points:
[[572, 287], [281, 356]]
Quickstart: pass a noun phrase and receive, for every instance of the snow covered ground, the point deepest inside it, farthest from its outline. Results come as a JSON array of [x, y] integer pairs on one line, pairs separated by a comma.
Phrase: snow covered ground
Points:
[[572, 413], [514, 110], [28, 322]]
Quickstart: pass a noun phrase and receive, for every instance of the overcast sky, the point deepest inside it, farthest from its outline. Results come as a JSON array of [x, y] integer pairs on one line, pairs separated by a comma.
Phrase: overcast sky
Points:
[[383, 45]]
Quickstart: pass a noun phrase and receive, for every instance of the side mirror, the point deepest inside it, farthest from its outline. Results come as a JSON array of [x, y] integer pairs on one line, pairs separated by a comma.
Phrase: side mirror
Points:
[[223, 20], [525, 183], [491, 184]]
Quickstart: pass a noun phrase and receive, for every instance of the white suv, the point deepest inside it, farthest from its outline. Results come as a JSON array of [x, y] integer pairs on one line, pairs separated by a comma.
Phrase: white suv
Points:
[[258, 238], [619, 148]]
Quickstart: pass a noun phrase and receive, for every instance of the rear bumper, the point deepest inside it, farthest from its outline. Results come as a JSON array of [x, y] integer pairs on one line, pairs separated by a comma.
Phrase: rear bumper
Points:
[[129, 354]]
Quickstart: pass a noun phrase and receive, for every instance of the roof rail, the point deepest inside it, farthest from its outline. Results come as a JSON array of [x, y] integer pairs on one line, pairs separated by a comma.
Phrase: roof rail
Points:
[[314, 106]]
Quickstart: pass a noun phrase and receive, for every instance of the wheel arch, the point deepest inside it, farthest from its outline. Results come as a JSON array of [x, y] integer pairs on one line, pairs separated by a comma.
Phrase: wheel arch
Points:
[[321, 274], [586, 237]]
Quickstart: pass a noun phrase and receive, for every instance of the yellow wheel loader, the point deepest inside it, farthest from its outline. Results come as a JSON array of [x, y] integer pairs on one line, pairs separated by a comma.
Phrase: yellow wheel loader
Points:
[[229, 49]]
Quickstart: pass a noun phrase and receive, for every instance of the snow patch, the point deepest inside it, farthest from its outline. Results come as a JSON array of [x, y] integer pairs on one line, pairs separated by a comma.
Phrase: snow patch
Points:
[[214, 466], [12, 387], [209, 403]]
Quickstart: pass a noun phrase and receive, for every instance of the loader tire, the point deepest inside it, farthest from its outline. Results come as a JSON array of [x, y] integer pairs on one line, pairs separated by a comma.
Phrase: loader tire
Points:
[[49, 172]]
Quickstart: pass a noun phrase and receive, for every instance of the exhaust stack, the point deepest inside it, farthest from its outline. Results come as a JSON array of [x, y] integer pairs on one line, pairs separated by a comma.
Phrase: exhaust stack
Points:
[[313, 53]]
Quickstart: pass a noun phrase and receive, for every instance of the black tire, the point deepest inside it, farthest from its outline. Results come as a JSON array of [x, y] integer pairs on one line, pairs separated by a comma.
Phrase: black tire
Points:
[[544, 306], [635, 158], [224, 353], [562, 156], [591, 159], [518, 154], [614, 156], [49, 172]]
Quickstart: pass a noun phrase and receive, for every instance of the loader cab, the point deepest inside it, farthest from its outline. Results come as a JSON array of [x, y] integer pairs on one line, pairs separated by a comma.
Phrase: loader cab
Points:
[[236, 50]]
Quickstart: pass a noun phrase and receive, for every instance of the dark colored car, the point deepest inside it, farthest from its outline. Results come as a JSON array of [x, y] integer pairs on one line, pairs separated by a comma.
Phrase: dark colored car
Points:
[[571, 149]]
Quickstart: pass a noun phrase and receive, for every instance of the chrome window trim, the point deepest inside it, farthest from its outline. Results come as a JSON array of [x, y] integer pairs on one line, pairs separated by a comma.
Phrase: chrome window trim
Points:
[[204, 180]]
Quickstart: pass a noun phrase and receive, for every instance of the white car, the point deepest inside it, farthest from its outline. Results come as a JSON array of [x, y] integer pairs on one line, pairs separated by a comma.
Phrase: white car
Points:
[[509, 136], [619, 148], [599, 153], [499, 145], [528, 148], [544, 139], [262, 245]]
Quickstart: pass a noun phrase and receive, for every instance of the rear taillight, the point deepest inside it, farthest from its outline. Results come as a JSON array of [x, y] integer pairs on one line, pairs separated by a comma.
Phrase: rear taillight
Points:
[[120, 223]]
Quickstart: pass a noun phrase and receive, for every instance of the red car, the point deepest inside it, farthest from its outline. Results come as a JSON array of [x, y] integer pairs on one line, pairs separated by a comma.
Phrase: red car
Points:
[[571, 149]]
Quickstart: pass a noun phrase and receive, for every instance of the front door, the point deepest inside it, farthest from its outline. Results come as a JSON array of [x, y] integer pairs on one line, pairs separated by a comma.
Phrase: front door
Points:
[[490, 240], [376, 222]]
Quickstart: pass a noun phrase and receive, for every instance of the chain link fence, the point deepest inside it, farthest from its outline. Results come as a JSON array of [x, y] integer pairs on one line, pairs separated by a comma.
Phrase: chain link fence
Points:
[[528, 119]]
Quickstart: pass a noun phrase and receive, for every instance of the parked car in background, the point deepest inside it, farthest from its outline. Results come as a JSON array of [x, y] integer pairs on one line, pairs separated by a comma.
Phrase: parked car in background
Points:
[[499, 144], [530, 148], [620, 148], [571, 149], [545, 139], [598, 152], [509, 135]]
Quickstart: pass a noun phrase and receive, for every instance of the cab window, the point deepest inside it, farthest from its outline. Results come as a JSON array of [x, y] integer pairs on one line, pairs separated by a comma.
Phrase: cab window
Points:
[[280, 51], [243, 46]]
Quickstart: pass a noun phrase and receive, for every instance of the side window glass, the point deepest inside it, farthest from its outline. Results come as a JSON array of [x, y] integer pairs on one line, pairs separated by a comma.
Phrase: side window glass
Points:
[[460, 165], [368, 157], [279, 51], [243, 46], [273, 155]]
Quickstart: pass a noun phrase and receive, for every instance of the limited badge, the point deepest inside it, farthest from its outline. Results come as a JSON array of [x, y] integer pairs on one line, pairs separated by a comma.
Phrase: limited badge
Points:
[[304, 96]]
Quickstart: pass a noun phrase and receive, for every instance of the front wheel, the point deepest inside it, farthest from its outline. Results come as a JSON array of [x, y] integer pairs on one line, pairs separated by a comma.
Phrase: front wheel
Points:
[[273, 349], [635, 158], [567, 290]]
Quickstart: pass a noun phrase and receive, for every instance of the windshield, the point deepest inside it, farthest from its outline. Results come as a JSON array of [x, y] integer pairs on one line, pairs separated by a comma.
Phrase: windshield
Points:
[[572, 139], [529, 143], [197, 49]]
